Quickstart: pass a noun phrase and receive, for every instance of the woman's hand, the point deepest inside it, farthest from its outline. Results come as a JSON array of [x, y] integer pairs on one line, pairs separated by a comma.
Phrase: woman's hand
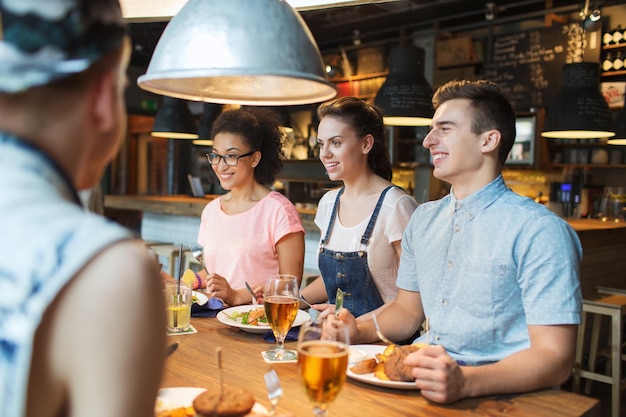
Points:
[[217, 286]]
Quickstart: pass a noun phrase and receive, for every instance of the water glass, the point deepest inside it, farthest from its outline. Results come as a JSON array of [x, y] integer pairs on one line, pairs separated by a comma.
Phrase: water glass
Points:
[[178, 307]]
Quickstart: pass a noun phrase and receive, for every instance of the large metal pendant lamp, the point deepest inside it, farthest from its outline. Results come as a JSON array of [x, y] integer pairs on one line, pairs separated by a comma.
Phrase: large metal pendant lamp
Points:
[[174, 120], [579, 111], [405, 96], [257, 52]]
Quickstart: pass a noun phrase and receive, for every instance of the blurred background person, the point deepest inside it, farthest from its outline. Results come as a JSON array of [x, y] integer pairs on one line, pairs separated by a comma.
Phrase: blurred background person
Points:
[[83, 320]]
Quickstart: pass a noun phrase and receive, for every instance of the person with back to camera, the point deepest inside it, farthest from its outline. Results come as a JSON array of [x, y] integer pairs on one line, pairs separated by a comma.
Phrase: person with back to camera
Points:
[[251, 232], [82, 328], [361, 223], [496, 274]]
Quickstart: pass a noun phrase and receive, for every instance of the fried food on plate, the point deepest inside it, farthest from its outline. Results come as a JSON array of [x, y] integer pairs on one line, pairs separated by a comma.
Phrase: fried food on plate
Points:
[[388, 365]]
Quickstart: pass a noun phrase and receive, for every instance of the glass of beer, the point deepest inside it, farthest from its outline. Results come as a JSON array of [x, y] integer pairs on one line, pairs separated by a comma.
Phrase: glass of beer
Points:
[[178, 307], [280, 299], [323, 361]]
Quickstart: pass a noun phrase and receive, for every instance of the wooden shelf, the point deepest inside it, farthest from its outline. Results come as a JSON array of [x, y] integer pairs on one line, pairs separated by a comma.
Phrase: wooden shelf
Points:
[[359, 77], [613, 73], [614, 46], [563, 165]]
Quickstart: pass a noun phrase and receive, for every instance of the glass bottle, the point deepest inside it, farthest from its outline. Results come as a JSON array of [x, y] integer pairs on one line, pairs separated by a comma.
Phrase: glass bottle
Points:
[[618, 35], [607, 64], [607, 38], [618, 62]]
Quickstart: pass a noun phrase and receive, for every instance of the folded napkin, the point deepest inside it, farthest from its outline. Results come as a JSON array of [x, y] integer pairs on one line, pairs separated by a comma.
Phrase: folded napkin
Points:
[[292, 334], [209, 309]]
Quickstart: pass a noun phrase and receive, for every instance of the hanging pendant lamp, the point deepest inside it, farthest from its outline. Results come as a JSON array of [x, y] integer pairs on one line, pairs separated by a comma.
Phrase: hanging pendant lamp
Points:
[[620, 129], [405, 96], [579, 111], [238, 52], [210, 111], [174, 120]]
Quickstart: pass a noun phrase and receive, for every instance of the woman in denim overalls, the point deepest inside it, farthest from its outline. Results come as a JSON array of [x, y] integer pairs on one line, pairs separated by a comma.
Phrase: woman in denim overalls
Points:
[[361, 222]]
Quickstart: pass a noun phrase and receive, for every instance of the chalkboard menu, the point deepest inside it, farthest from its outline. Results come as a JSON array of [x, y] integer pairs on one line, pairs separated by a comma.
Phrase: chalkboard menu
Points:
[[528, 65]]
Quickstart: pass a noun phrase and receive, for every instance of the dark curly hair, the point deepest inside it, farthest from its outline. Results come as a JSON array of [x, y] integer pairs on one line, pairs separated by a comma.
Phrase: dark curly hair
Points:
[[259, 129], [365, 119]]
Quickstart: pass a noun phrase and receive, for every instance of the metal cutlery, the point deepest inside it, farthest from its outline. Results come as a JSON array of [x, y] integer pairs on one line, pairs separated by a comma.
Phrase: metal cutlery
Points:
[[196, 251], [338, 302], [305, 301], [249, 288], [274, 390], [380, 334]]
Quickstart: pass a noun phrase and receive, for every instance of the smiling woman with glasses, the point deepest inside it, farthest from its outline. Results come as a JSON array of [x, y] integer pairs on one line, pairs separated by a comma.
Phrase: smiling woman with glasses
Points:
[[251, 232]]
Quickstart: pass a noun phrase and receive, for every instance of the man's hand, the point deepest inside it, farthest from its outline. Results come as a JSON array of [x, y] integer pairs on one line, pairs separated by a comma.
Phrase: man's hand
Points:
[[437, 375]]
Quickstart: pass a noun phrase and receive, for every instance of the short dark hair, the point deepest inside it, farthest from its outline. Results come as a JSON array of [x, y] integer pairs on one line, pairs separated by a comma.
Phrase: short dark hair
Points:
[[365, 119], [490, 109], [259, 129]]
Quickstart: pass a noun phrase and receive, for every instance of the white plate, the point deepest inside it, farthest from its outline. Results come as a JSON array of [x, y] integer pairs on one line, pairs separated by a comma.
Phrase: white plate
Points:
[[202, 299], [371, 351], [223, 316], [183, 397]]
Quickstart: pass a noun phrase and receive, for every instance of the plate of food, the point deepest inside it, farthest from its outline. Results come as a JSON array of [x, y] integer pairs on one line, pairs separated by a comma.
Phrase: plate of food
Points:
[[251, 318], [382, 366], [178, 402], [199, 298]]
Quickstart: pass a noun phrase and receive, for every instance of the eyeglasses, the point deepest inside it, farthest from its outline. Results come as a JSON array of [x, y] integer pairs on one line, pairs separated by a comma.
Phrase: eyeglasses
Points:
[[230, 160]]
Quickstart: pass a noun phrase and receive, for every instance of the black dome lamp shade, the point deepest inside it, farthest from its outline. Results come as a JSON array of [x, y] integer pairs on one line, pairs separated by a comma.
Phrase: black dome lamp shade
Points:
[[405, 96], [210, 111], [620, 129], [579, 111], [174, 120]]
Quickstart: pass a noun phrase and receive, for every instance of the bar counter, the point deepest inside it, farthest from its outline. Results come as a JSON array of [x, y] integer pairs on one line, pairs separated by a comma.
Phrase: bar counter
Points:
[[604, 243], [194, 365]]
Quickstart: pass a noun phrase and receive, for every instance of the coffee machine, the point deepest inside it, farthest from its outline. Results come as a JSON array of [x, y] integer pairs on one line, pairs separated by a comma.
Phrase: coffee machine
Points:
[[565, 199]]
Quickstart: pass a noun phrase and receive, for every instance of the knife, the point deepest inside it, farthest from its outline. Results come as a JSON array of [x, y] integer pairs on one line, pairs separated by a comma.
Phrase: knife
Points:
[[338, 302], [249, 288]]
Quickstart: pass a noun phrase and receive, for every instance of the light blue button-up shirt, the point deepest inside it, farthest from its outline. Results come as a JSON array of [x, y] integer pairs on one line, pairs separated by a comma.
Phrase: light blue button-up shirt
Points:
[[486, 267]]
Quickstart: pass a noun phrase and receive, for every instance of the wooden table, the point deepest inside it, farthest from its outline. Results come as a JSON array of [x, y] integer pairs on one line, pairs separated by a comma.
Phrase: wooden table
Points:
[[193, 365]]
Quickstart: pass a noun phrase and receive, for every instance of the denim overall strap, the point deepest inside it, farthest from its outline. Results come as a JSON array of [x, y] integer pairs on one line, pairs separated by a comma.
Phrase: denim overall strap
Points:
[[349, 270], [333, 214]]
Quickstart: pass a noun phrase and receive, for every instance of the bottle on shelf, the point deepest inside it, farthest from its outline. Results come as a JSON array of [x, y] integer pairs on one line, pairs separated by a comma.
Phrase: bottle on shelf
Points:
[[607, 63], [618, 35], [607, 38], [618, 62]]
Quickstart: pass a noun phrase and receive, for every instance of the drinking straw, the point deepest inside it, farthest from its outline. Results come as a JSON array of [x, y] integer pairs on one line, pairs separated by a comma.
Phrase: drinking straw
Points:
[[180, 267]]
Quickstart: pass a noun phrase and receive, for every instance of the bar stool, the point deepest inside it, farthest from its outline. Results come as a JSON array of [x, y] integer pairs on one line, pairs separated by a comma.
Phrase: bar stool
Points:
[[614, 307], [190, 261], [169, 252]]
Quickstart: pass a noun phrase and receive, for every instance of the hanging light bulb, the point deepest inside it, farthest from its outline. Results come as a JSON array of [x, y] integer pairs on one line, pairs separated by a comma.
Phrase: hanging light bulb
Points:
[[405, 96], [580, 111], [174, 120], [238, 52]]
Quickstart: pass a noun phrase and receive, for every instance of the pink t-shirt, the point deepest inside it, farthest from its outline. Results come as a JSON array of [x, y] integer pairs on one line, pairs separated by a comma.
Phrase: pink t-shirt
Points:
[[242, 247]]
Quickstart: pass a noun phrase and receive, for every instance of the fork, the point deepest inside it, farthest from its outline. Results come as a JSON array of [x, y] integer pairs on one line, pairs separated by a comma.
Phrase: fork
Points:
[[274, 390], [380, 334], [196, 251]]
